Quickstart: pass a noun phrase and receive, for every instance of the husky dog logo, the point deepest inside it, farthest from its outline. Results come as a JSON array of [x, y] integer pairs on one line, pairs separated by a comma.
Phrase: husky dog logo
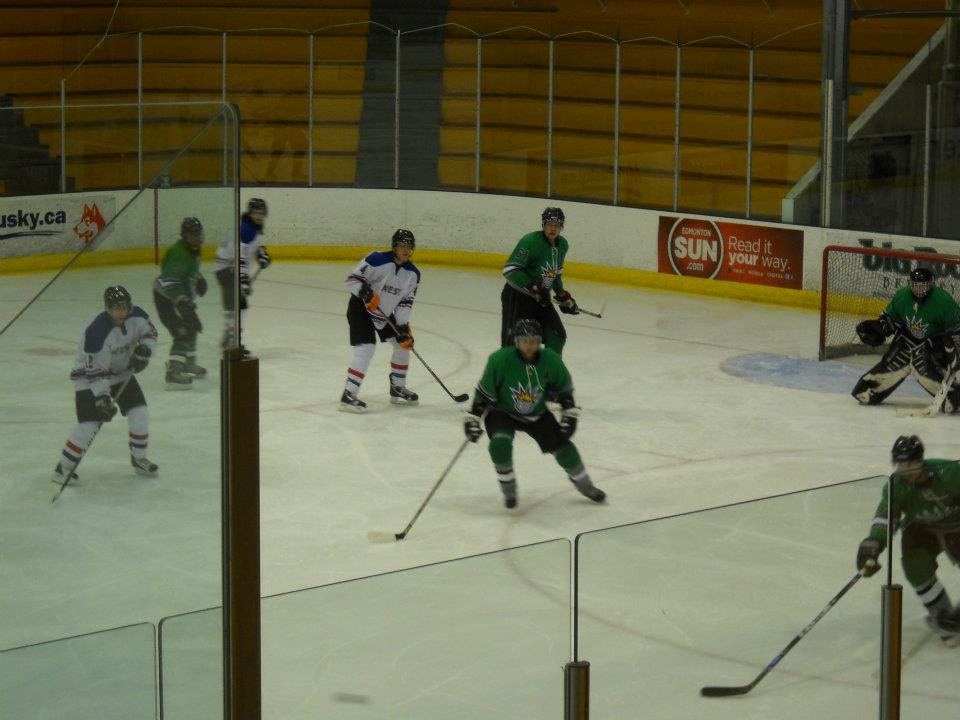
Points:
[[524, 398], [90, 225]]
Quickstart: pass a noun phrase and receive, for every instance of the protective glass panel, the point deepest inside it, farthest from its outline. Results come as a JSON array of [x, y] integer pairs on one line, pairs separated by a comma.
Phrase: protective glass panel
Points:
[[268, 80], [31, 160], [109, 675], [458, 164], [893, 63], [377, 160], [129, 529], [647, 101], [427, 643], [583, 117], [712, 597], [787, 93], [182, 65], [513, 113], [339, 72], [421, 89], [714, 90]]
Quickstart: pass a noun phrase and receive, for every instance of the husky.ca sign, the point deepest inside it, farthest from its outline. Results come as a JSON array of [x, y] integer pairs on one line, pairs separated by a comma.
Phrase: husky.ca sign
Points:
[[49, 224]]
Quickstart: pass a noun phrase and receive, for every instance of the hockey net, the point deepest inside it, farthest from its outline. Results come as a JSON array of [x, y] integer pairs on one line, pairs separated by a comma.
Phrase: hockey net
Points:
[[857, 284]]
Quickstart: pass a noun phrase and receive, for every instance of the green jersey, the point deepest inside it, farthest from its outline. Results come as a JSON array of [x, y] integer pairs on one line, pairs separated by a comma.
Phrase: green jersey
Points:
[[935, 505], [534, 261], [937, 314], [519, 388], [179, 272]]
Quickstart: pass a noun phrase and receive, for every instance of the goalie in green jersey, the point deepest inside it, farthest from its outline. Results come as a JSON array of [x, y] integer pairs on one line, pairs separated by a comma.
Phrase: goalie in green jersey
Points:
[[925, 323], [512, 395], [926, 505]]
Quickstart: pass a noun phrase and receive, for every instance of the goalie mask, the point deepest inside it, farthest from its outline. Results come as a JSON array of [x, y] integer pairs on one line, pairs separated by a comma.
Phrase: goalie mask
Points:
[[117, 297], [526, 329], [921, 282]]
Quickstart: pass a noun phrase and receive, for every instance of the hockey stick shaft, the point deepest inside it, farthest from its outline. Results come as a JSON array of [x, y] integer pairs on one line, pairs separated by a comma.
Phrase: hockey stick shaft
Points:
[[936, 404], [714, 691], [389, 537], [456, 398], [73, 472], [588, 312]]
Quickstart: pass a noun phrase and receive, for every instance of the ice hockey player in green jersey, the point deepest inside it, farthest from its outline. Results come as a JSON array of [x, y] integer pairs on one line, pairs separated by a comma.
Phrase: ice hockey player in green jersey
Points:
[[174, 294], [534, 268], [512, 395], [925, 323], [926, 505]]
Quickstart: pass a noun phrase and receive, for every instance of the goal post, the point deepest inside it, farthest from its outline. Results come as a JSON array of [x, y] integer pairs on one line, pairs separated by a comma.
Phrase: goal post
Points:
[[858, 282]]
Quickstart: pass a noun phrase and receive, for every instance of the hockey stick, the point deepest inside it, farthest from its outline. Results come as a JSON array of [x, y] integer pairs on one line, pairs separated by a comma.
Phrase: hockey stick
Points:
[[73, 473], [589, 312], [456, 398], [936, 405], [714, 691], [379, 536]]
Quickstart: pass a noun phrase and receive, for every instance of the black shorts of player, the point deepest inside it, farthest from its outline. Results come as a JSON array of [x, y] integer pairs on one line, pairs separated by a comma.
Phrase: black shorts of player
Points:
[[131, 397], [921, 538], [362, 329], [515, 305], [224, 277], [171, 321], [545, 430]]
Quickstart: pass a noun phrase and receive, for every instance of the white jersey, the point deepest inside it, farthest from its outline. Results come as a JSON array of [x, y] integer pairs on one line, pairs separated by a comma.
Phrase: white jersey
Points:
[[396, 284], [249, 247], [104, 350]]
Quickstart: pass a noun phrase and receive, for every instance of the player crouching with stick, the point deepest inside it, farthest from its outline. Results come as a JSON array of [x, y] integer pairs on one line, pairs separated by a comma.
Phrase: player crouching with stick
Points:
[[926, 504], [512, 395]]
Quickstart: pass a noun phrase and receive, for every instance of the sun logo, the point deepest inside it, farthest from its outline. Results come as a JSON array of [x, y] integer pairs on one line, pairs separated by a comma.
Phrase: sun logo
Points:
[[918, 328], [525, 399]]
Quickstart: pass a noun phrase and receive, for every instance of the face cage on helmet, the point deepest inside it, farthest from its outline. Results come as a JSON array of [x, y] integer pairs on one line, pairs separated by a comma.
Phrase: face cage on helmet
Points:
[[921, 288]]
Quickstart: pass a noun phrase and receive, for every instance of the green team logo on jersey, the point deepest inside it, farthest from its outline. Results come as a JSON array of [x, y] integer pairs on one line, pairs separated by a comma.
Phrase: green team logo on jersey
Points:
[[548, 272], [525, 399]]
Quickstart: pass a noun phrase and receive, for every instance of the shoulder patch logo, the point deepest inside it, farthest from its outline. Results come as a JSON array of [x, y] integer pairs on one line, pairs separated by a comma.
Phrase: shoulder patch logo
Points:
[[521, 254]]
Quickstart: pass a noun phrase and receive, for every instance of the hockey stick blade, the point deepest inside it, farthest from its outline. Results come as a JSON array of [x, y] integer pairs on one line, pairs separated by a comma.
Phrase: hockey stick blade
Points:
[[461, 398], [725, 691], [379, 536]]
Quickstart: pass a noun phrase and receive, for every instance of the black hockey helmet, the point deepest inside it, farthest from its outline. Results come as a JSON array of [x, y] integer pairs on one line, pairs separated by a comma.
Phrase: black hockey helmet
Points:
[[191, 230], [552, 214], [906, 447], [403, 237], [921, 282], [115, 296], [526, 329], [257, 205]]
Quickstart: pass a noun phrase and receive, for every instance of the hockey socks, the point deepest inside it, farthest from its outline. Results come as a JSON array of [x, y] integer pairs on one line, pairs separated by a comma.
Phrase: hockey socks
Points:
[[362, 355], [76, 445], [569, 459]]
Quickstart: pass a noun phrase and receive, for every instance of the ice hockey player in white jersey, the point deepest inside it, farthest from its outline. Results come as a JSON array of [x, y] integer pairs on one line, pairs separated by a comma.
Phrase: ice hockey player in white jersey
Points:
[[116, 344], [382, 286], [251, 250]]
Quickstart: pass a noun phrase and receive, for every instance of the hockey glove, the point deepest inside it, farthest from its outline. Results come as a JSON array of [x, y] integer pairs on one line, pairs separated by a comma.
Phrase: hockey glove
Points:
[[568, 422], [201, 285], [139, 359], [541, 294], [871, 332], [263, 258], [104, 408], [567, 304], [867, 554], [186, 311], [368, 297], [405, 336], [471, 426], [246, 287]]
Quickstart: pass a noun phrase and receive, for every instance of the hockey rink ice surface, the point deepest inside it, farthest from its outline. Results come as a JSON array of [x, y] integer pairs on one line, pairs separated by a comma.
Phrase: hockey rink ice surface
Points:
[[687, 403]]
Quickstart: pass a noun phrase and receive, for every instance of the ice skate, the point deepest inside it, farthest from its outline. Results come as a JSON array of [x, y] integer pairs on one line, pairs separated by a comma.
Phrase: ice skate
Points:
[[143, 467], [351, 403], [402, 396], [509, 490], [193, 370], [177, 377], [586, 488], [945, 623], [60, 477]]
